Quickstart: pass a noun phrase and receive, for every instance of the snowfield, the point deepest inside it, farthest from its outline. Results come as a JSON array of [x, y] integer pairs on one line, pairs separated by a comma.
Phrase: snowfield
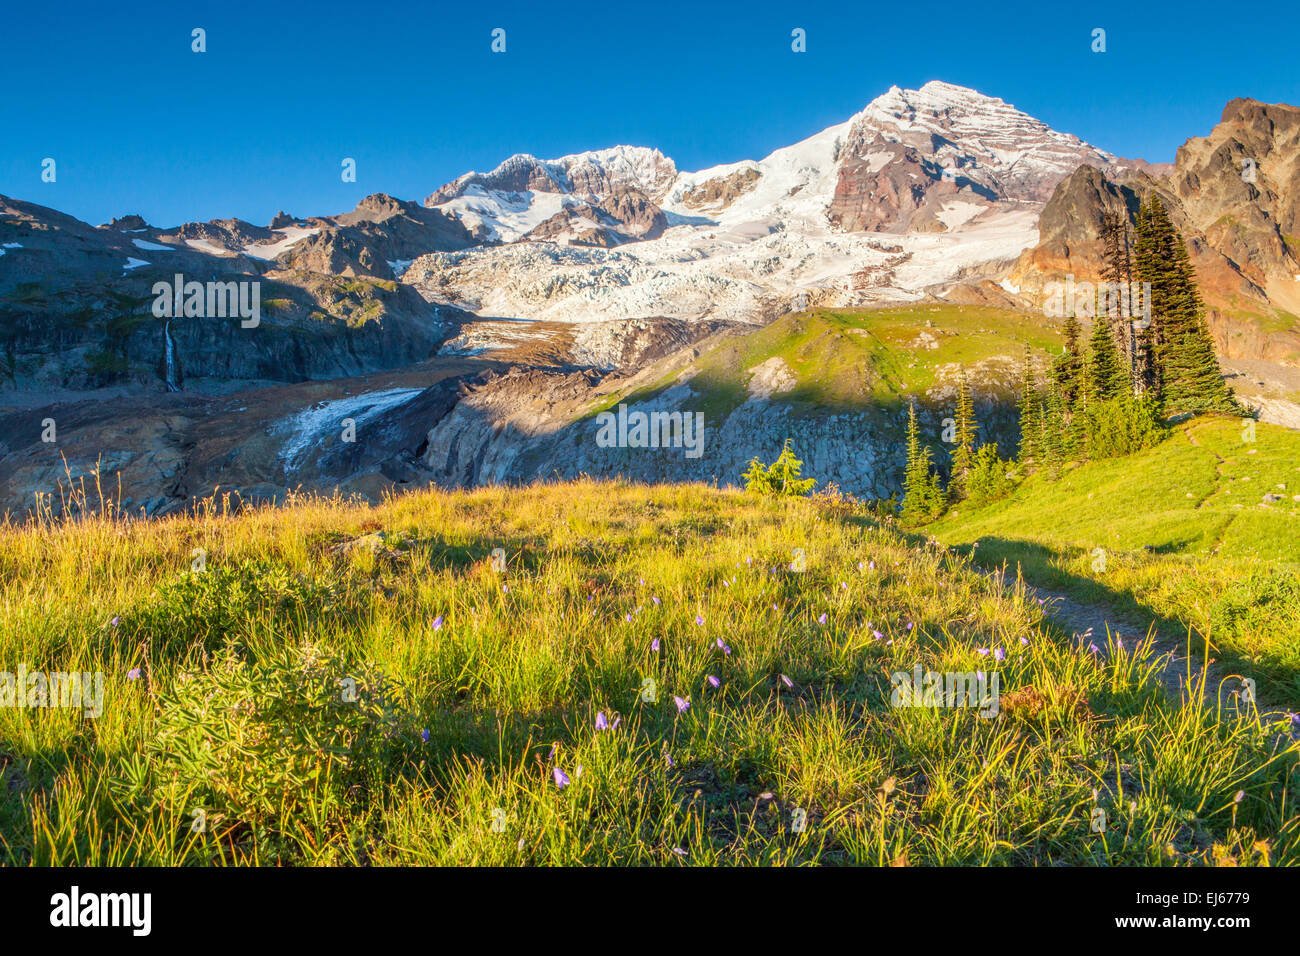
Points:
[[763, 244]]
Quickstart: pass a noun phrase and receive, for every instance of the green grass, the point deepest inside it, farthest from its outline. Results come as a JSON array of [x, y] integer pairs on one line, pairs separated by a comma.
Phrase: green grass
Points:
[[355, 685], [863, 359], [1186, 538]]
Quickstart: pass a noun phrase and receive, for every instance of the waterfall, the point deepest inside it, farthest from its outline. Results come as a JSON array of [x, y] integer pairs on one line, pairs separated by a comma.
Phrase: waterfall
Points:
[[170, 353]]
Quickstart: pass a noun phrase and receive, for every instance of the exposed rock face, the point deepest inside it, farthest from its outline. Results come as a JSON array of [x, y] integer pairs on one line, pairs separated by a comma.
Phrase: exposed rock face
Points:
[[591, 175], [910, 148], [380, 231], [1240, 187], [76, 304], [1233, 195], [1069, 228], [492, 436], [231, 234], [890, 198], [721, 191], [130, 223], [625, 215]]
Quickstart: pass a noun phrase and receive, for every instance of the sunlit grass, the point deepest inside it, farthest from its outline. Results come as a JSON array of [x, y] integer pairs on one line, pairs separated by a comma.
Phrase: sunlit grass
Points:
[[791, 754]]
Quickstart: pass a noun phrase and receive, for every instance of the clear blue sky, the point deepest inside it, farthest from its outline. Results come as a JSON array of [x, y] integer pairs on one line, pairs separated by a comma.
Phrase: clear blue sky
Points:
[[262, 120]]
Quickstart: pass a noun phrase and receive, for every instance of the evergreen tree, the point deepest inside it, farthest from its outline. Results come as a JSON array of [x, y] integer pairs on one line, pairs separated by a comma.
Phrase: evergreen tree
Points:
[[1193, 380], [781, 478], [1152, 259], [1117, 269], [1182, 368], [1066, 370], [1054, 431], [1106, 378], [964, 428], [1028, 406], [923, 498]]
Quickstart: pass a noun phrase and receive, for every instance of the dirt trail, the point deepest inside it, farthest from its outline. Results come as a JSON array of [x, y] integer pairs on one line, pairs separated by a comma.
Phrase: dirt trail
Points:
[[1092, 623]]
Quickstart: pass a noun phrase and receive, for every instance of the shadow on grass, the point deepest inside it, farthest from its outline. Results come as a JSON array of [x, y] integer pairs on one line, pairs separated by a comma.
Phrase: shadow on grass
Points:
[[1041, 568]]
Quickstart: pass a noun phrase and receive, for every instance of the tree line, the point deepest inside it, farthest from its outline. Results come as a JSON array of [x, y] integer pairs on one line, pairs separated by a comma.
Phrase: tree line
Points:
[[1109, 396]]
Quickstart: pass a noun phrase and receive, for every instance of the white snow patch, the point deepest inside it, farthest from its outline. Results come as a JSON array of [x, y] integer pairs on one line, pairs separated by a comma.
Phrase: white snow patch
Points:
[[204, 245], [309, 428], [958, 212], [152, 246], [134, 264], [289, 236]]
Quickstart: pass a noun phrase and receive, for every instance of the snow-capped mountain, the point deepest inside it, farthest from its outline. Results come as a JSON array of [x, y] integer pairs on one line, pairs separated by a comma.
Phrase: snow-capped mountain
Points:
[[920, 189], [579, 195]]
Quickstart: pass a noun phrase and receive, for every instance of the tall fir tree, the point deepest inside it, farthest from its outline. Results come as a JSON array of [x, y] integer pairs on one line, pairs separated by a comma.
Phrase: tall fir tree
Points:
[[1067, 368], [1152, 260], [1117, 270], [1194, 381], [1106, 377], [1028, 405], [964, 427], [923, 497], [1052, 430]]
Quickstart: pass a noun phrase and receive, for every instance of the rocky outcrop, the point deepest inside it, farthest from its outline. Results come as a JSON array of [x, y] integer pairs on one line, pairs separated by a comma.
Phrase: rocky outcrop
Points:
[[1233, 195], [720, 192], [591, 175]]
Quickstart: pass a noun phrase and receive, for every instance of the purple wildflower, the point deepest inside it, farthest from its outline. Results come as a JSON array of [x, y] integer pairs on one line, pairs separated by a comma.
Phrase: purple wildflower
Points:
[[561, 778], [601, 722], [1024, 642], [654, 645], [683, 704], [713, 681], [786, 681], [822, 619], [424, 735], [437, 622], [999, 654], [698, 619], [115, 621], [133, 674], [982, 651]]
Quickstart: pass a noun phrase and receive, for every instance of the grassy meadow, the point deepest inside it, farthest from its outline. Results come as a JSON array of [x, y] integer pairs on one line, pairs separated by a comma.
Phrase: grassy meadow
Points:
[[1180, 533], [662, 675]]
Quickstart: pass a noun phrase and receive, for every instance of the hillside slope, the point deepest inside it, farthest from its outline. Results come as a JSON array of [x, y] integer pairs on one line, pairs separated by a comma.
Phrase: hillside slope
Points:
[[667, 675], [1200, 532]]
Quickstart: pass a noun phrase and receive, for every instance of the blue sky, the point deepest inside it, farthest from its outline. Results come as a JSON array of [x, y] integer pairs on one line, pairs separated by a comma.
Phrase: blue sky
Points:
[[138, 123]]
